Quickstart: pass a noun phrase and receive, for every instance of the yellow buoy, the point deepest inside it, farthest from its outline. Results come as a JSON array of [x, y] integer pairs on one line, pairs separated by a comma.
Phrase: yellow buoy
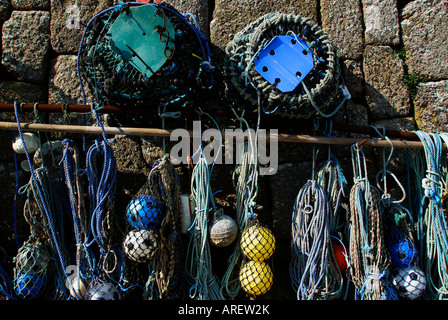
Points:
[[257, 243], [256, 278]]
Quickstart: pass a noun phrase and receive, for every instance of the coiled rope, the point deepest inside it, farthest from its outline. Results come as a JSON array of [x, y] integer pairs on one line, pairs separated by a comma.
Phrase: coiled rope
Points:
[[368, 255], [432, 218], [204, 284]]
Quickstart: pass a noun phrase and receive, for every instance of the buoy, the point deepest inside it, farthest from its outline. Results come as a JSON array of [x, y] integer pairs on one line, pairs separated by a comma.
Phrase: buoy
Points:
[[340, 256], [256, 277], [402, 252], [103, 291], [187, 206], [257, 243], [31, 142], [29, 286], [410, 282], [78, 288], [140, 245], [32, 258], [223, 230], [144, 212]]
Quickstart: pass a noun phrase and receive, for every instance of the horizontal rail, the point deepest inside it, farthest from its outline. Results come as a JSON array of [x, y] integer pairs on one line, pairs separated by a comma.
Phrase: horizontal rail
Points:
[[281, 137]]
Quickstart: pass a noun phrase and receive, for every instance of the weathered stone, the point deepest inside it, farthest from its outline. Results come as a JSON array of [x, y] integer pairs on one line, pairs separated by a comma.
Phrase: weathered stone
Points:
[[22, 92], [67, 40], [31, 4], [425, 34], [381, 22], [342, 21], [5, 10], [431, 106], [64, 86], [26, 43], [285, 185], [357, 115], [353, 77], [386, 94], [199, 9], [230, 16]]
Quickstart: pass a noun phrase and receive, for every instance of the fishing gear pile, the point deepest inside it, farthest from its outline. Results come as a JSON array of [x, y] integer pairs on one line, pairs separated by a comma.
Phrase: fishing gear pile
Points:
[[372, 243], [153, 236], [143, 54], [288, 63]]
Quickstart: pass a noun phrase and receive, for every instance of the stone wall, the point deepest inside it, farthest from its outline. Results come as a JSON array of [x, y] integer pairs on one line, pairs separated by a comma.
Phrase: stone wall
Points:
[[394, 59]]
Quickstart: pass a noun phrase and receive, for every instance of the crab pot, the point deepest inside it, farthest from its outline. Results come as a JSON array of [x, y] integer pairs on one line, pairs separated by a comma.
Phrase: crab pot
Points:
[[287, 61]]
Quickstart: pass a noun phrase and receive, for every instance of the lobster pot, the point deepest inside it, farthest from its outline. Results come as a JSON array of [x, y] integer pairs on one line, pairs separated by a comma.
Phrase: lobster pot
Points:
[[287, 61], [142, 54]]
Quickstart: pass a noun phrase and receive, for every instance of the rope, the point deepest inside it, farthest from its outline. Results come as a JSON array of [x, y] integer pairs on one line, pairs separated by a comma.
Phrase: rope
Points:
[[310, 240], [368, 254], [204, 284], [432, 219], [45, 196]]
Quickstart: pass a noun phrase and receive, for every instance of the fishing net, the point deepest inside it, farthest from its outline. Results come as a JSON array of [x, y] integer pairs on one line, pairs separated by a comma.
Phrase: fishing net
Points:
[[257, 244], [316, 87], [155, 238], [134, 54], [30, 271]]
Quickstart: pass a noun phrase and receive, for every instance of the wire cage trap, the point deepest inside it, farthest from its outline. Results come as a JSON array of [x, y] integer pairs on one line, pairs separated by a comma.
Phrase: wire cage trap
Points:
[[288, 62], [137, 54]]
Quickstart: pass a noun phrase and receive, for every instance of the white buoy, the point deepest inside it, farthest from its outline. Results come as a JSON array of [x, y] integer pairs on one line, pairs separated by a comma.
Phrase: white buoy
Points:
[[187, 206], [31, 142], [223, 230], [25, 165]]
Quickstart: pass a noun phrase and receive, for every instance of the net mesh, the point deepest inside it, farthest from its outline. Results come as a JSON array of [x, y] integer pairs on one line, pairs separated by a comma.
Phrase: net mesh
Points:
[[257, 244], [30, 271]]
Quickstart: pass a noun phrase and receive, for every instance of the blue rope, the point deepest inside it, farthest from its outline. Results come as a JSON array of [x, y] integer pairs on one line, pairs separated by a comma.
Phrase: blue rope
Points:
[[41, 196]]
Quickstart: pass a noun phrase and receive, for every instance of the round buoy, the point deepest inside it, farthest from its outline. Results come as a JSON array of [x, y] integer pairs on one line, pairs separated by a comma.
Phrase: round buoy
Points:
[[402, 252], [140, 245], [257, 243], [31, 141], [340, 256], [256, 277], [410, 282], [29, 286], [223, 231], [103, 291], [144, 212], [78, 288], [32, 258]]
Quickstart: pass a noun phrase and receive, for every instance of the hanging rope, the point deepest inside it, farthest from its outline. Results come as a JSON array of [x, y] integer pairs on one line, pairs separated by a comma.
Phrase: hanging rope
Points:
[[368, 254], [204, 284], [432, 219], [43, 193], [310, 239]]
